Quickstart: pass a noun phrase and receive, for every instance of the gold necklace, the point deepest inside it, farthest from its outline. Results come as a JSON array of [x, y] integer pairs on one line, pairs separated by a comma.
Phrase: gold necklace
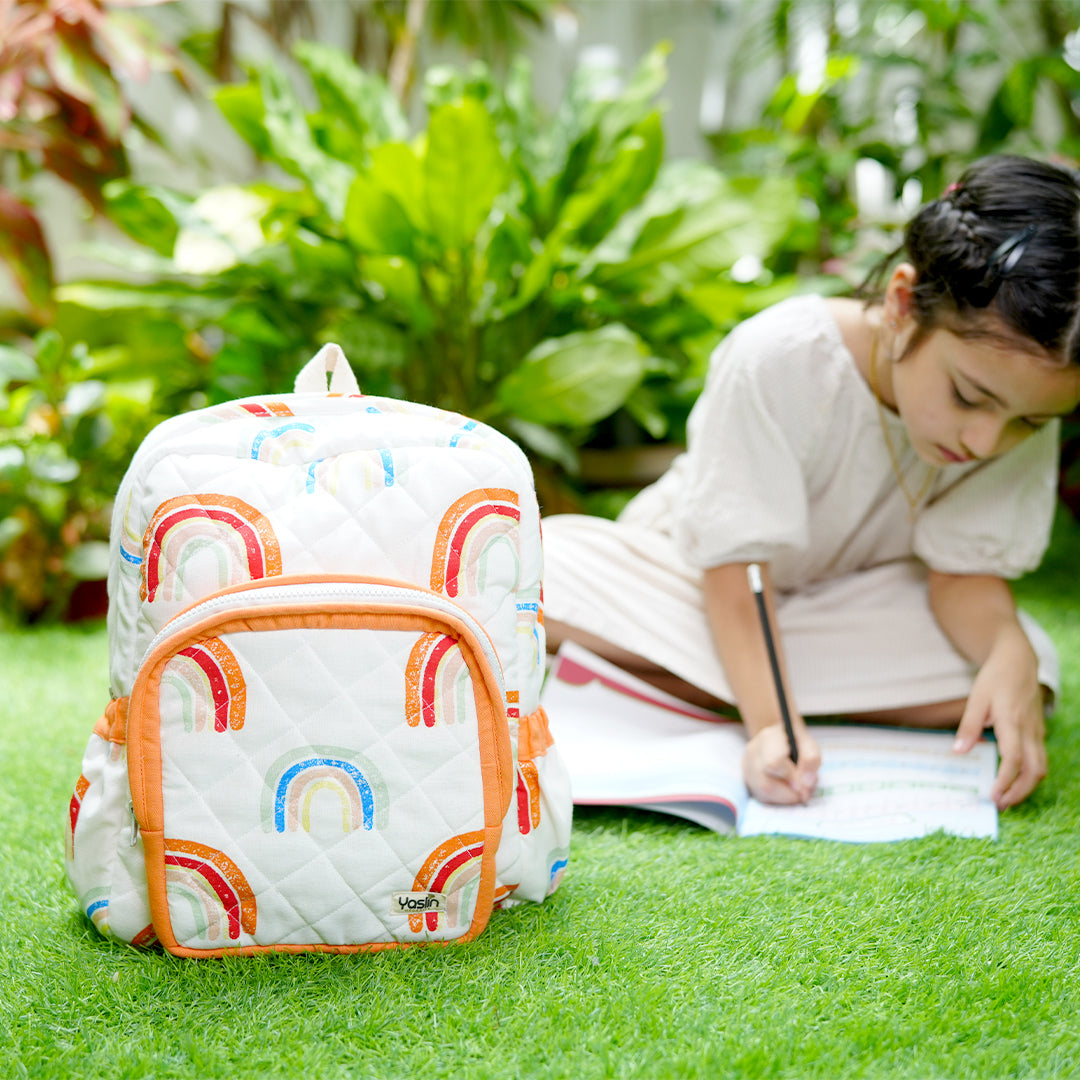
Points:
[[915, 499]]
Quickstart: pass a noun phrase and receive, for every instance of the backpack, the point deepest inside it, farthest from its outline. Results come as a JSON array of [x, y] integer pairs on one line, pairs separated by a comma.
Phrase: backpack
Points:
[[326, 649]]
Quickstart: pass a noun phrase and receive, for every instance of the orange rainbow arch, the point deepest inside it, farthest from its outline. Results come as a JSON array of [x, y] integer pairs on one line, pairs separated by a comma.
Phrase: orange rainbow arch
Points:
[[265, 408], [146, 938], [437, 681], [240, 537], [213, 885], [528, 797], [234, 410], [209, 681], [468, 529], [81, 788], [452, 869]]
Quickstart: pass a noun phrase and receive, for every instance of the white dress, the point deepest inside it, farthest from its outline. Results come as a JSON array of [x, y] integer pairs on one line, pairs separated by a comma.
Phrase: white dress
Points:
[[786, 464]]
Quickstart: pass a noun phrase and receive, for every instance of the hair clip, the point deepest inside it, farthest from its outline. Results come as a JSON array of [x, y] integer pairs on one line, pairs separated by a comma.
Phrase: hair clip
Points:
[[1002, 262], [1009, 252]]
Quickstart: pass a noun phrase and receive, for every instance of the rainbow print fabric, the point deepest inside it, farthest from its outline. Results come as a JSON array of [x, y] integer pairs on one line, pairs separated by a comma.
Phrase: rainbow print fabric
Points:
[[250, 822], [325, 780]]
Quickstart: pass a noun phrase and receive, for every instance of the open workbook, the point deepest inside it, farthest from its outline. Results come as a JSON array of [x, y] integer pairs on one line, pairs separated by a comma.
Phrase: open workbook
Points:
[[627, 743]]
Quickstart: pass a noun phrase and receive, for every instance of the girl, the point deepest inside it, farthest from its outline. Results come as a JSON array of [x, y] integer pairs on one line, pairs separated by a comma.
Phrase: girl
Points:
[[890, 464]]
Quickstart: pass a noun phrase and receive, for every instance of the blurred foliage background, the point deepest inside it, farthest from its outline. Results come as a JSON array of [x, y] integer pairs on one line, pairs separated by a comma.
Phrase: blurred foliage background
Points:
[[553, 271]]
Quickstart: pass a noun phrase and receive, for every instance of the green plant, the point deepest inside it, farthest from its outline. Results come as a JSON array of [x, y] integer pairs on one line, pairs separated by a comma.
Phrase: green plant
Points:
[[63, 111], [540, 274], [385, 36], [67, 427], [921, 87]]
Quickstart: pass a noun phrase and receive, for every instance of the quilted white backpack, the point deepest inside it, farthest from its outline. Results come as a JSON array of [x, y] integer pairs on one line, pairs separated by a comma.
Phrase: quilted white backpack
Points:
[[326, 649]]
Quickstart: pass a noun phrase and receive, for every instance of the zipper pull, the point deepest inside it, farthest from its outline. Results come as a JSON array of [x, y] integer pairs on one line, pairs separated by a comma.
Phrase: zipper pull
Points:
[[134, 824]]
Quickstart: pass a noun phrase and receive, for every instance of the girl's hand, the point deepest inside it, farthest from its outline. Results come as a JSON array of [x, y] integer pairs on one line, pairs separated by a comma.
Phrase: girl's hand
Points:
[[1007, 697], [770, 773]]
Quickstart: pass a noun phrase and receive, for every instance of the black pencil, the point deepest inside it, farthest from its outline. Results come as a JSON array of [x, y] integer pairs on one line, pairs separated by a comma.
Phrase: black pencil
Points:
[[753, 574]]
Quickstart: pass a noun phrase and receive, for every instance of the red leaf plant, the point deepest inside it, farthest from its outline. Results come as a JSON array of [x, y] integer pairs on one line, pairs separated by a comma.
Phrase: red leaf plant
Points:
[[64, 69]]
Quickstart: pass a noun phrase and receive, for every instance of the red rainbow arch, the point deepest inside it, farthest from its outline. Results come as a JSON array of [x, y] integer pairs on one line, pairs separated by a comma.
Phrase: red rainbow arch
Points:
[[436, 681], [528, 797], [82, 785], [214, 882], [239, 532], [450, 869], [210, 681], [466, 530]]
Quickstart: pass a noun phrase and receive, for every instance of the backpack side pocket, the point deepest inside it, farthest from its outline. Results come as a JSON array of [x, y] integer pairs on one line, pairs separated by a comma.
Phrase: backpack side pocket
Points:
[[541, 811], [104, 853]]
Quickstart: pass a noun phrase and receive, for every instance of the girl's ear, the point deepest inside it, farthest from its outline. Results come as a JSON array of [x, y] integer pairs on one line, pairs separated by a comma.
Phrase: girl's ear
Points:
[[899, 295]]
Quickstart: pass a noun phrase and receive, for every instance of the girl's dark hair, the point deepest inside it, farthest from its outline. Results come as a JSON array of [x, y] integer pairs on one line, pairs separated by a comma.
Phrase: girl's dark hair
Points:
[[1003, 240]]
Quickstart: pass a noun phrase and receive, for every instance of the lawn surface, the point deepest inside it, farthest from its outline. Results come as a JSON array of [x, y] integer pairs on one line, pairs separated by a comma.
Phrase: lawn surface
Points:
[[668, 952]]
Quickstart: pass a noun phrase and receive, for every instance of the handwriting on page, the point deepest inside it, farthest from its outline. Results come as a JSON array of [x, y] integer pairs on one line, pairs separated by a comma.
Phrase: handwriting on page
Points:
[[868, 790]]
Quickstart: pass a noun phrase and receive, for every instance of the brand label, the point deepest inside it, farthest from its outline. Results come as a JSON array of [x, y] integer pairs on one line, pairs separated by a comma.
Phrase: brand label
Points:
[[414, 903]]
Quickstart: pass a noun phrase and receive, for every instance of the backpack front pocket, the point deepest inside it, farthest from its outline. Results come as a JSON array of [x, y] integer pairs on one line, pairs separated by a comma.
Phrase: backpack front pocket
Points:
[[319, 765]]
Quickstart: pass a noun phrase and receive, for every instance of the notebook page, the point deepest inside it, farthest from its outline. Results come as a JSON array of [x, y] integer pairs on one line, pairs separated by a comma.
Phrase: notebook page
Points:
[[629, 746], [888, 784]]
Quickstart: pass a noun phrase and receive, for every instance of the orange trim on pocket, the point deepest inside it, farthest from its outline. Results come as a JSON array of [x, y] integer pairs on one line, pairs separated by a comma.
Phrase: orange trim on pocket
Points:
[[144, 764]]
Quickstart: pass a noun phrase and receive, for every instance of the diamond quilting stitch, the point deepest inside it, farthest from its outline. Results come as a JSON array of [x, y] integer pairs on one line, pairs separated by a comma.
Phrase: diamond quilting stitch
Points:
[[400, 858], [376, 515]]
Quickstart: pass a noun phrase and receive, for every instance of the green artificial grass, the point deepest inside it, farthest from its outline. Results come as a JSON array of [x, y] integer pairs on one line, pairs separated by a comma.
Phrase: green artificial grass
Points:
[[669, 951]]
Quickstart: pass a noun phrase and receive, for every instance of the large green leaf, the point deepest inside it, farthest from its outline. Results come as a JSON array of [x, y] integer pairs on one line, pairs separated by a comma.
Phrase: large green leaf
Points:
[[149, 213], [576, 379], [356, 99], [604, 197], [545, 442], [398, 170], [242, 105], [590, 121], [375, 221], [16, 366], [295, 149], [127, 298], [636, 100], [463, 170], [1013, 106], [507, 254], [694, 223], [397, 282]]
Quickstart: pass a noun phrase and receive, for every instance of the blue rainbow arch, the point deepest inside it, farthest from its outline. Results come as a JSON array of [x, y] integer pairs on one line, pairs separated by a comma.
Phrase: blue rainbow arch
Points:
[[295, 779], [377, 469], [363, 788], [263, 436]]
